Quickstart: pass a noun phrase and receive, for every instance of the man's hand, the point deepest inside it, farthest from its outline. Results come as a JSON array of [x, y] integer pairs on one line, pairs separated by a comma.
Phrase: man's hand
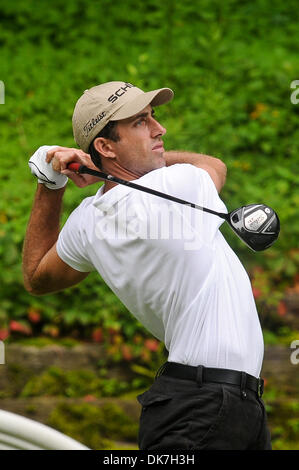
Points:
[[61, 156], [44, 171]]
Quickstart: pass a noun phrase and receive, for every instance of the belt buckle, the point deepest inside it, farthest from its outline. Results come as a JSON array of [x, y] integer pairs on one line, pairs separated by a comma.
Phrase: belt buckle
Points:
[[260, 387]]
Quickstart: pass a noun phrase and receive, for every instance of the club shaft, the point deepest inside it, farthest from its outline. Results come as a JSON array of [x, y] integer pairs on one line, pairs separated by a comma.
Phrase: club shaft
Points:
[[84, 169]]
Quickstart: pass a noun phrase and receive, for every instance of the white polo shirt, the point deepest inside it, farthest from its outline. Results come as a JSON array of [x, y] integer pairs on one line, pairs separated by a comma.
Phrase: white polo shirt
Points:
[[171, 267]]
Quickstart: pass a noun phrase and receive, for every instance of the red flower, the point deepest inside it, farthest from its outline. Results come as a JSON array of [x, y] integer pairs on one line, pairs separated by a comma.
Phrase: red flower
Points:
[[265, 382], [256, 292], [97, 335], [89, 398], [4, 333], [18, 327], [282, 308], [34, 315], [151, 344], [126, 352]]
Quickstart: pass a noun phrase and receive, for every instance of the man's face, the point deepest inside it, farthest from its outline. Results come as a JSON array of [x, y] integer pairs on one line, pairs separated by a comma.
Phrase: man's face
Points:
[[140, 147]]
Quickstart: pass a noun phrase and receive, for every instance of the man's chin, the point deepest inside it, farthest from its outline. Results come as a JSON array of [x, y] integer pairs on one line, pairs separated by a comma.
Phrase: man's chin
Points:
[[160, 161]]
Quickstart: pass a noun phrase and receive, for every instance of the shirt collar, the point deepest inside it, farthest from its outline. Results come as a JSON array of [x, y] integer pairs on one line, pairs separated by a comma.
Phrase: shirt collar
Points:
[[106, 200]]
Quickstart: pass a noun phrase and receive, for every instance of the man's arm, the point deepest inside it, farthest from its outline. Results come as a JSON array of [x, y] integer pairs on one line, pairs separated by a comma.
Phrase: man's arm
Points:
[[214, 166], [43, 270]]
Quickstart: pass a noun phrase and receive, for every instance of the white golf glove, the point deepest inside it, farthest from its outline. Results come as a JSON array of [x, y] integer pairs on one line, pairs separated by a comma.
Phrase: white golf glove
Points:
[[44, 171]]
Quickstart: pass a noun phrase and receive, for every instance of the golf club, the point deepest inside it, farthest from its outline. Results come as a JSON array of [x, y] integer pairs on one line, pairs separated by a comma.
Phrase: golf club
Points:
[[257, 225]]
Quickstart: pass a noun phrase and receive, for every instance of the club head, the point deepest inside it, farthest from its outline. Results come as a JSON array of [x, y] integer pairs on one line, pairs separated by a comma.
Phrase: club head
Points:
[[257, 225]]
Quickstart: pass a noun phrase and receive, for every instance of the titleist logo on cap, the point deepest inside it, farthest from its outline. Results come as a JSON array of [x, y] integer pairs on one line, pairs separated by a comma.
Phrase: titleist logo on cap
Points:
[[111, 99], [93, 122]]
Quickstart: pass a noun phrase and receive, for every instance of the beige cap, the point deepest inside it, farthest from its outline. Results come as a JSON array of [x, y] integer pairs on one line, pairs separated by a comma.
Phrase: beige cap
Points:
[[111, 101]]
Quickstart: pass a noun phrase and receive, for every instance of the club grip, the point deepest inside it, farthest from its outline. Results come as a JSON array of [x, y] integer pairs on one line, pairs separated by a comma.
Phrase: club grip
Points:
[[73, 166]]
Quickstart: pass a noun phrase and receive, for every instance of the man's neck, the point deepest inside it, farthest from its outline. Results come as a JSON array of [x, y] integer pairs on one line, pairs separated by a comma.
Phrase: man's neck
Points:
[[119, 172]]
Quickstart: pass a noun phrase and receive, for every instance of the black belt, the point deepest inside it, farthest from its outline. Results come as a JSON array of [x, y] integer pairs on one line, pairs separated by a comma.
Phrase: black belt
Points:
[[203, 374]]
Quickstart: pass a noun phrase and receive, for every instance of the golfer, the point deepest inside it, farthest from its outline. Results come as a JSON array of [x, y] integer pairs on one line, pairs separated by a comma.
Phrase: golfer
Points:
[[168, 264]]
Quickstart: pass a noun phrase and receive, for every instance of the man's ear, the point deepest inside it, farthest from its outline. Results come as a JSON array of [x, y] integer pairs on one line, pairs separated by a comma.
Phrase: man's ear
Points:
[[104, 147]]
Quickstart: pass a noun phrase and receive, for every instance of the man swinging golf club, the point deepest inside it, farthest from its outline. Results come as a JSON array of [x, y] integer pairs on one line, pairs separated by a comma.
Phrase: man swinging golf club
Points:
[[189, 291]]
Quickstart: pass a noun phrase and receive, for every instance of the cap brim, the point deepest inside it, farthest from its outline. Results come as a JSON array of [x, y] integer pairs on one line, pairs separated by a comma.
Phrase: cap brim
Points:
[[155, 98]]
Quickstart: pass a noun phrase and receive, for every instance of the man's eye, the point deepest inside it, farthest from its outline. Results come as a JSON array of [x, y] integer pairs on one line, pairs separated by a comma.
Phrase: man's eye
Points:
[[140, 121]]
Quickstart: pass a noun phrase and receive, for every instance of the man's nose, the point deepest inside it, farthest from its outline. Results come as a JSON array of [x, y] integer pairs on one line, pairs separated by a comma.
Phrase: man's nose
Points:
[[157, 129]]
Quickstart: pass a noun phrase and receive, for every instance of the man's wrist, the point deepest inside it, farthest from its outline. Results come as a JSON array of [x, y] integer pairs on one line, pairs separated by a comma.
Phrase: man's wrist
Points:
[[55, 193], [49, 200]]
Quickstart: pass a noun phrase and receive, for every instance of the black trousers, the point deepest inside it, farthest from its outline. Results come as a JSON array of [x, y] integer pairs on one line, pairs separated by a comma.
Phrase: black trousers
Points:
[[180, 414]]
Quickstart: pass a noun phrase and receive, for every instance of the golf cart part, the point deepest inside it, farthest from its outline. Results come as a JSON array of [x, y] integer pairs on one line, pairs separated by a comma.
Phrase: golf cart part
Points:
[[255, 220], [21, 433]]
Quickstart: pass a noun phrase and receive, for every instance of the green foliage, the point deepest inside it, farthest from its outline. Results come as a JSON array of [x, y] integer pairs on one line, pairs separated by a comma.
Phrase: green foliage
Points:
[[92, 425], [284, 423], [74, 384], [230, 64], [56, 382]]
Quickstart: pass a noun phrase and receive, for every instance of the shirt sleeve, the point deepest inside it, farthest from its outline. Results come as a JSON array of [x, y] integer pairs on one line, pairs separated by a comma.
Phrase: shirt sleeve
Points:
[[191, 182], [188, 182], [194, 184], [70, 244]]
